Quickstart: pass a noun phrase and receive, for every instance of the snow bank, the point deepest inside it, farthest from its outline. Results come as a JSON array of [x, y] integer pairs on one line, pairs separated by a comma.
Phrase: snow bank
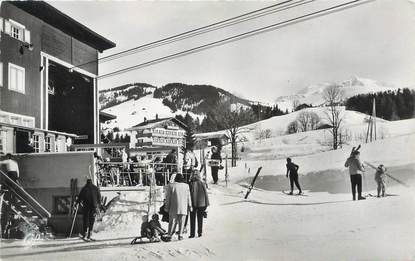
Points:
[[125, 213]]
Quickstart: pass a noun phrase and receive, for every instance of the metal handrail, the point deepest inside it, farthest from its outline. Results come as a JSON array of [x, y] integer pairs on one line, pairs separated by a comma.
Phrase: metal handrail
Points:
[[22, 190]]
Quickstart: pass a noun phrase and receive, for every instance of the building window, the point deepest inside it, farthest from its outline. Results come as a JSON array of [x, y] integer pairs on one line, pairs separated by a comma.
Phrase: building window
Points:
[[16, 78], [48, 144], [36, 143], [17, 32]]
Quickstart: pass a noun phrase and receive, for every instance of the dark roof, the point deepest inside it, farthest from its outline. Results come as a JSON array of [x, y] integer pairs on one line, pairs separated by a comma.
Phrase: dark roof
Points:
[[63, 22], [103, 116], [148, 122]]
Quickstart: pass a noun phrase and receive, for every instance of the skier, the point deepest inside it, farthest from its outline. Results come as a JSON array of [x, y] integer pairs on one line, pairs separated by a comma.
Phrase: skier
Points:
[[355, 170], [380, 177], [90, 198], [178, 204], [214, 169], [292, 171], [200, 201]]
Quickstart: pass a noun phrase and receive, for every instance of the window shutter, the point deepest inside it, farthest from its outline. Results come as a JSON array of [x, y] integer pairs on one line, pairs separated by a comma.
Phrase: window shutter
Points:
[[27, 36], [7, 27]]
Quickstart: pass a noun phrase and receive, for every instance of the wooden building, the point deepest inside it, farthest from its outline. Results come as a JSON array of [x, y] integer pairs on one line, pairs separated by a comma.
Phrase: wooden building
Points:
[[46, 103]]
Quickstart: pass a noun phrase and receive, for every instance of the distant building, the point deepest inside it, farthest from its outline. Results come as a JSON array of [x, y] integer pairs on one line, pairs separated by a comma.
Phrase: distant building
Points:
[[165, 132], [46, 103]]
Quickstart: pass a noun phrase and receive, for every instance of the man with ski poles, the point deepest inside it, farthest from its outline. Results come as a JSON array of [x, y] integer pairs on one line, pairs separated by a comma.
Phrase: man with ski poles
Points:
[[90, 199]]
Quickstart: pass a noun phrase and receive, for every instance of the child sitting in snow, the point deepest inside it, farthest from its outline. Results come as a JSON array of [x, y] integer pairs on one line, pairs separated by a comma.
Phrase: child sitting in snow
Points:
[[380, 177], [152, 230]]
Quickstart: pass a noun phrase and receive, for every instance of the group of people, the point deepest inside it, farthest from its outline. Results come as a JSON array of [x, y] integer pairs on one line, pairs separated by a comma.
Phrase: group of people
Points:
[[183, 201], [356, 169]]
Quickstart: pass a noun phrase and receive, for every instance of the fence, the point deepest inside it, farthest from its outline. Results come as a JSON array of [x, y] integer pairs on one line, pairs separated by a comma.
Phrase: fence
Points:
[[134, 173]]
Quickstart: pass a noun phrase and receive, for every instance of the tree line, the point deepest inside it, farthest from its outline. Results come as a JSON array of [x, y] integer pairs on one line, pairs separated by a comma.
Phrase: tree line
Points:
[[390, 105]]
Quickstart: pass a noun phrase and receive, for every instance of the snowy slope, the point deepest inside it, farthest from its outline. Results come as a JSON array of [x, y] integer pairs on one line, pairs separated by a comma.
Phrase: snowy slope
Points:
[[313, 93], [132, 112]]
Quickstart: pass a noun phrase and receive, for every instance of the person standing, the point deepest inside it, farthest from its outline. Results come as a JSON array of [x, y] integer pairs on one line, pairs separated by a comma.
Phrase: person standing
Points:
[[380, 177], [190, 163], [200, 201], [11, 167], [356, 170], [171, 162], [292, 171], [90, 198], [214, 169], [178, 204]]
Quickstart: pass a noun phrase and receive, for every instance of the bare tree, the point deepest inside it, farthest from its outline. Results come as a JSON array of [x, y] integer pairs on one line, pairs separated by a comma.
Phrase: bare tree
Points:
[[292, 127], [307, 120], [233, 118], [333, 96]]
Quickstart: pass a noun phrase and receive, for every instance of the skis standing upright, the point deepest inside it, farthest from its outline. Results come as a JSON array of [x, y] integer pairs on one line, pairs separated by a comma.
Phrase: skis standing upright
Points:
[[253, 182]]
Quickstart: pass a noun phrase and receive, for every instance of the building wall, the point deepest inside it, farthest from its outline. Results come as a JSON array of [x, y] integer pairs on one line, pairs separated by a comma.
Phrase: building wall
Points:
[[47, 175], [12, 101], [49, 40]]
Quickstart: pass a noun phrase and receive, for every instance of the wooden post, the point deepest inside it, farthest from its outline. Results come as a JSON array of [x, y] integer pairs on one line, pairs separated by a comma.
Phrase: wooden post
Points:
[[226, 170]]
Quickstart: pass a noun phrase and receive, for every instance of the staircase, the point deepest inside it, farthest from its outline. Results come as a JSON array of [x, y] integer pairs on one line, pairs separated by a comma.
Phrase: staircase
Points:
[[22, 204]]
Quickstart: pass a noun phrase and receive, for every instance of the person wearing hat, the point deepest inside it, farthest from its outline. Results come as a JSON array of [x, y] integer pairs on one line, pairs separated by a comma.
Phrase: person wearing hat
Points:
[[380, 177], [356, 170], [90, 198]]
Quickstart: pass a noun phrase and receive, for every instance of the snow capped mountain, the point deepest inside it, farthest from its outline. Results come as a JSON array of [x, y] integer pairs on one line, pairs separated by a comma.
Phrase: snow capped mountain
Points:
[[313, 94]]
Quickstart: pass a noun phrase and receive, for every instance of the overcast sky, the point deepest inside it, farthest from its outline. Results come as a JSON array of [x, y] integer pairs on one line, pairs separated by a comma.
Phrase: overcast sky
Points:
[[375, 40]]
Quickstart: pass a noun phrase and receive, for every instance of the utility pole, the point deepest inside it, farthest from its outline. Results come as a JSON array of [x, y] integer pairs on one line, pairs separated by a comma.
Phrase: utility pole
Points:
[[371, 125]]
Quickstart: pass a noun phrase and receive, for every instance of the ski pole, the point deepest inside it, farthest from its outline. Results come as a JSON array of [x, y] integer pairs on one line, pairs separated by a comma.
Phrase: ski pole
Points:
[[74, 218]]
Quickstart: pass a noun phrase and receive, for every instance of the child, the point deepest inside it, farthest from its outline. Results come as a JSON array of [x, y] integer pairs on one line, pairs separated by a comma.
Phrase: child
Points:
[[380, 179], [152, 229]]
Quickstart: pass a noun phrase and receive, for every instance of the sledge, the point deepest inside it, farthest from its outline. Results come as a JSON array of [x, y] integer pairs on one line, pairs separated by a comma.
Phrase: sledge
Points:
[[146, 240], [294, 194]]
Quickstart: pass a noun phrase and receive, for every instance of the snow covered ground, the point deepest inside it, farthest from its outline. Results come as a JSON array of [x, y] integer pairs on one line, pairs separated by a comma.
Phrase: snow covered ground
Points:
[[324, 225], [269, 225]]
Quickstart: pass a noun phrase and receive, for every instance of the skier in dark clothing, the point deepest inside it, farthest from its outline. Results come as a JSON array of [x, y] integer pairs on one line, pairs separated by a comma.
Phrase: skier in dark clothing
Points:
[[90, 198], [292, 171], [215, 169]]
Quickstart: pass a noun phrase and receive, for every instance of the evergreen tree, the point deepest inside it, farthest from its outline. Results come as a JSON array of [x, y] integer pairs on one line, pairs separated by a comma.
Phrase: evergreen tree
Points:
[[190, 140]]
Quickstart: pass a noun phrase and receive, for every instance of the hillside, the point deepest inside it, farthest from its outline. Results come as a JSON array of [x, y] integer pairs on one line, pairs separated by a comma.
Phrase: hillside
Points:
[[132, 102], [313, 93], [117, 95]]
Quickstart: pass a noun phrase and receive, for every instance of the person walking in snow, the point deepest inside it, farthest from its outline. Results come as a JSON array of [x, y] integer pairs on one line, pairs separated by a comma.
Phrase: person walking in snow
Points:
[[178, 204], [200, 201], [356, 170], [292, 172], [214, 169], [380, 177], [90, 198]]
